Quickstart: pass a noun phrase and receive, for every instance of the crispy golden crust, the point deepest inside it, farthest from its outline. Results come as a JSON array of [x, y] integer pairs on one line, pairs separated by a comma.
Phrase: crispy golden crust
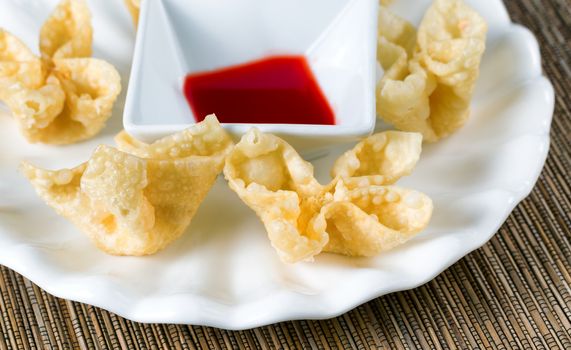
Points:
[[352, 215], [67, 33], [136, 204], [430, 75], [380, 159], [370, 220], [273, 180], [63, 97], [18, 65]]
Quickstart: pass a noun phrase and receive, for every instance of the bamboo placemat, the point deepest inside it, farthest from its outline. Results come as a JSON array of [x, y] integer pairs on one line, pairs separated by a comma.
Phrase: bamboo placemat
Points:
[[513, 293]]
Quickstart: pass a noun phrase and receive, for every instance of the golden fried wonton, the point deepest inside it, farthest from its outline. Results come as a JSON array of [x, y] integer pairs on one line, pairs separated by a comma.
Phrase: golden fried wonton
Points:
[[137, 200], [430, 75], [367, 221], [273, 180], [64, 96], [353, 215], [380, 159]]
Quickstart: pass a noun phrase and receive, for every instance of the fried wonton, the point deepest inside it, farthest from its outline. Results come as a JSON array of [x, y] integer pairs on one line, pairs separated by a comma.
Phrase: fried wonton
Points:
[[430, 75], [64, 96], [137, 200], [380, 159], [353, 215], [273, 180], [133, 6], [370, 220]]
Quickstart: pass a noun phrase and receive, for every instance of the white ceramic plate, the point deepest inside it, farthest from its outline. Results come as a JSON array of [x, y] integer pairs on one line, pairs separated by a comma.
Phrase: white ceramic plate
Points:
[[223, 272]]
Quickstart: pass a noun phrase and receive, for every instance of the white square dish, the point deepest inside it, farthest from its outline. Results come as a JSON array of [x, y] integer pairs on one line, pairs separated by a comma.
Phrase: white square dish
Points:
[[178, 37]]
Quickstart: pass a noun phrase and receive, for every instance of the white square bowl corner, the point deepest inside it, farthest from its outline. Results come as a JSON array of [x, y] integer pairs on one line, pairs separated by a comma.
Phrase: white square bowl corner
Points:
[[178, 37]]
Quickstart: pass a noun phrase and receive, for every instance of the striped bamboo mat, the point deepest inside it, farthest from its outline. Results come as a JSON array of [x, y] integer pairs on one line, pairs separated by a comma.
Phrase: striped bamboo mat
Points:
[[513, 293]]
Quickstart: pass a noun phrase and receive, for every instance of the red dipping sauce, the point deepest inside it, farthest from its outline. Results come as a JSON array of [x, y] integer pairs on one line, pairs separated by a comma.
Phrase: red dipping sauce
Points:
[[278, 90]]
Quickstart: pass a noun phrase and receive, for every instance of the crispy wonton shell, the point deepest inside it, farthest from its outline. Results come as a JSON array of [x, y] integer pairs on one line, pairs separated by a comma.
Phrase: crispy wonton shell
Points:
[[273, 180], [137, 201], [353, 215], [64, 96], [430, 75]]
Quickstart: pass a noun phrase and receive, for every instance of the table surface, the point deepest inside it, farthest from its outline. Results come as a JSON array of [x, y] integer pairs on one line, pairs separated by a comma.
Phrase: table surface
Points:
[[514, 292]]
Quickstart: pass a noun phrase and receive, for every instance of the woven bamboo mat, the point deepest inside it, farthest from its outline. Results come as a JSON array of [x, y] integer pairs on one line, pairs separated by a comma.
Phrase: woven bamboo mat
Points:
[[513, 293]]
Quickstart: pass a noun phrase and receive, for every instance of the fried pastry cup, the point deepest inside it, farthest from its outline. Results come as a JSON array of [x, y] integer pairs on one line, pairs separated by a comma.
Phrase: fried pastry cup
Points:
[[380, 159], [430, 75], [352, 215], [370, 220], [137, 201], [275, 182], [63, 96], [367, 216]]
